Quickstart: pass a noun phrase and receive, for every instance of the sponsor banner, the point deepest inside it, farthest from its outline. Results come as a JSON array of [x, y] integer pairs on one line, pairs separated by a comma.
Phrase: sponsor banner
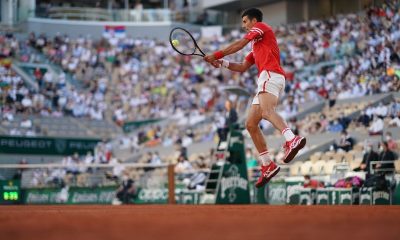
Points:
[[188, 197], [365, 196], [322, 196], [160, 196], [46, 145], [381, 197], [233, 186], [293, 192], [307, 196], [334, 196], [368, 196], [43, 196], [277, 193], [345, 196], [103, 195], [152, 195]]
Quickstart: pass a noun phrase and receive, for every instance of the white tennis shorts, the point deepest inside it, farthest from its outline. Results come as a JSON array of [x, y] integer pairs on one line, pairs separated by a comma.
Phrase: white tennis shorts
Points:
[[270, 82]]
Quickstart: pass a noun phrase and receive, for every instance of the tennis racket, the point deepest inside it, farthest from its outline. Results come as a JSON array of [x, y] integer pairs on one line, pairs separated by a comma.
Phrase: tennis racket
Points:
[[184, 43]]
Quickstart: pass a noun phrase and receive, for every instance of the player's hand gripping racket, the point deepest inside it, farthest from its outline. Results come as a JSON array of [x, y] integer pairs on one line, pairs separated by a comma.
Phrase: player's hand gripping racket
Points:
[[184, 43]]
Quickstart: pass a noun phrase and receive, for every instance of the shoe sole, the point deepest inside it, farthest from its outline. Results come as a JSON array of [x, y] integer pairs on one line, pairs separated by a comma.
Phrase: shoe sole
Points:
[[266, 180], [295, 150]]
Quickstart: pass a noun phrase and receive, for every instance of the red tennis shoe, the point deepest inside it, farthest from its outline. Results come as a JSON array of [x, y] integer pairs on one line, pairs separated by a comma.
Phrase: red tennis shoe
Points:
[[292, 148], [267, 172]]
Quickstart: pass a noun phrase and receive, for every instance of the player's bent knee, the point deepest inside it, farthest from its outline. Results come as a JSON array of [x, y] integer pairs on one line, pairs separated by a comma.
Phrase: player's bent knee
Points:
[[267, 113], [251, 126]]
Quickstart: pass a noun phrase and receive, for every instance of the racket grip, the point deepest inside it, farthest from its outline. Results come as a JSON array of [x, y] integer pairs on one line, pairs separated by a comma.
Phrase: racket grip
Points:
[[225, 63], [218, 55]]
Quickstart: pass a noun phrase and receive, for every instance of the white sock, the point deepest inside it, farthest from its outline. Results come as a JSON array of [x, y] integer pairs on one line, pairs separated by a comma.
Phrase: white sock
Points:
[[289, 135], [265, 159]]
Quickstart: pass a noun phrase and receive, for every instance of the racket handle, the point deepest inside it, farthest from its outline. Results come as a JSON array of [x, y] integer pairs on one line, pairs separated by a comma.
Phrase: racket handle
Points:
[[218, 55], [225, 63]]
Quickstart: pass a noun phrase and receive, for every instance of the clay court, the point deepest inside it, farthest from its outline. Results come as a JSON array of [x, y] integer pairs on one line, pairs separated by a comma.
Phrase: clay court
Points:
[[199, 222]]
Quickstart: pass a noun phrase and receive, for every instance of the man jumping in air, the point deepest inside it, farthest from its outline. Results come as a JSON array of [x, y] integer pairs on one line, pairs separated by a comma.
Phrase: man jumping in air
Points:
[[270, 82]]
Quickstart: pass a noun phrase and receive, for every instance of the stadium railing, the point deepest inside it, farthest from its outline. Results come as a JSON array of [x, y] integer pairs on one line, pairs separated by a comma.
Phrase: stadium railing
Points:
[[382, 170], [99, 14], [212, 17]]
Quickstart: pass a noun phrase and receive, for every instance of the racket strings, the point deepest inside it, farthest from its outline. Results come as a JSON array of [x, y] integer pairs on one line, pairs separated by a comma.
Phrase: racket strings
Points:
[[186, 44]]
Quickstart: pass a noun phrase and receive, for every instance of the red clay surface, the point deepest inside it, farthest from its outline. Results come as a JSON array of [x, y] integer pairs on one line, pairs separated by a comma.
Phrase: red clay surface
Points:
[[205, 222]]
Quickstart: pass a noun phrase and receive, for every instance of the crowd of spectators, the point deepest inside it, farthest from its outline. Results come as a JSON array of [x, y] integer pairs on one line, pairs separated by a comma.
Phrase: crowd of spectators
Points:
[[366, 45], [138, 79], [371, 118], [51, 95], [75, 170]]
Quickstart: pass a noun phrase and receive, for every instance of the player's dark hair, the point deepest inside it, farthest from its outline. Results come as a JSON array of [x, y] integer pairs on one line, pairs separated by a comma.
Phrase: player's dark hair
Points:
[[252, 13]]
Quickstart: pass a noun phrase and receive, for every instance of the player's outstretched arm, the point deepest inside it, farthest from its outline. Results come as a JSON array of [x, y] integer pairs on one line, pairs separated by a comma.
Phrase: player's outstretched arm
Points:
[[232, 48], [236, 67]]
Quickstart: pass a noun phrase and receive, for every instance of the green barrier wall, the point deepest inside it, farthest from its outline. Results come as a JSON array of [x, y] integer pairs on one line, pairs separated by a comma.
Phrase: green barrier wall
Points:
[[279, 193], [396, 195], [369, 196], [334, 196], [104, 195]]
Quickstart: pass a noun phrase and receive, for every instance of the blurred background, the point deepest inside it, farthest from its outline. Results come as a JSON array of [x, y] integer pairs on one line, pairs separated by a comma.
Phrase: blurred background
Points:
[[95, 104]]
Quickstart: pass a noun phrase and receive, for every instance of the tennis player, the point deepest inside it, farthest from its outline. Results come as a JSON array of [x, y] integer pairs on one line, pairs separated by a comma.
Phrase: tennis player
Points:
[[270, 84]]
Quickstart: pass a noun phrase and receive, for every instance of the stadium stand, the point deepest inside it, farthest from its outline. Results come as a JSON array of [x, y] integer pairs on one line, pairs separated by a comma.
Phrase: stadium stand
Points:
[[74, 54], [348, 65]]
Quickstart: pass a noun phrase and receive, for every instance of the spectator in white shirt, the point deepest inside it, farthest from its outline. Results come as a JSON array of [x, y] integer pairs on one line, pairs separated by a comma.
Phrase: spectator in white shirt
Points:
[[376, 127], [381, 110], [395, 121], [26, 122]]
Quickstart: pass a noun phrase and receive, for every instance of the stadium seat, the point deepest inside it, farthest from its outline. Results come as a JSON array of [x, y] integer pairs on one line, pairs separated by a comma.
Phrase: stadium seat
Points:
[[349, 157], [338, 157], [327, 156], [295, 168], [355, 163], [305, 168], [329, 166], [315, 157], [318, 167]]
